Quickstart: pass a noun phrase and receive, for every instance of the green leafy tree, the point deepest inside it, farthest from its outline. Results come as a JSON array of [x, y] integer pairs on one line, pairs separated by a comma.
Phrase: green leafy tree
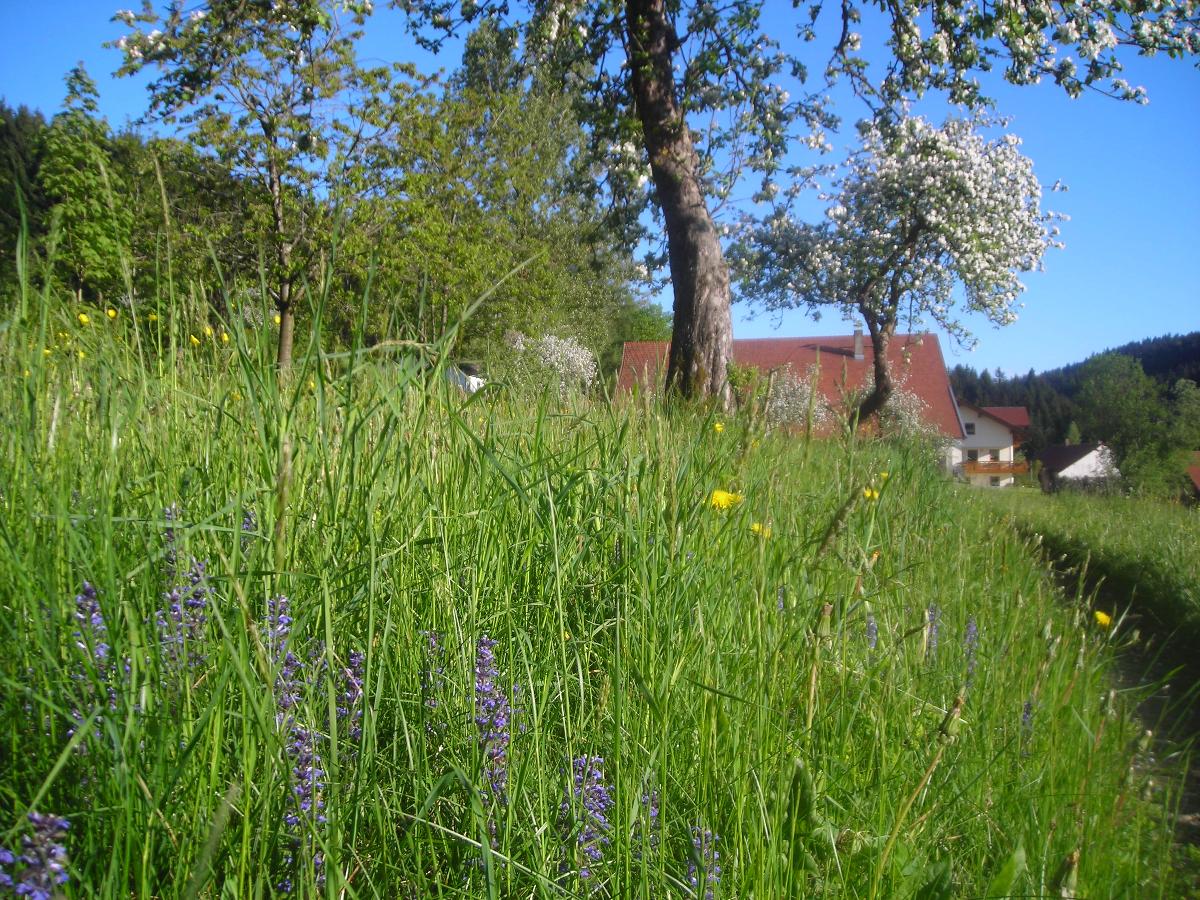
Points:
[[687, 94], [275, 90], [22, 146], [91, 222]]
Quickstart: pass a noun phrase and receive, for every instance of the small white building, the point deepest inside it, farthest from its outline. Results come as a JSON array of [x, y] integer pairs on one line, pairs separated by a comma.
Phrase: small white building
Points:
[[986, 454], [1078, 465]]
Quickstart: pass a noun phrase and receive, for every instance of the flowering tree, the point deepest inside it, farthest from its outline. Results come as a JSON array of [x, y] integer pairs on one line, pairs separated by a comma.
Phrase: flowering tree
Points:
[[917, 212], [275, 90], [683, 98]]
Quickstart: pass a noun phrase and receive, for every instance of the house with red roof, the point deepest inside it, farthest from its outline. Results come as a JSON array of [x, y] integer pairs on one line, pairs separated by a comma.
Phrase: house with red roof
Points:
[[837, 367], [986, 454], [1193, 474]]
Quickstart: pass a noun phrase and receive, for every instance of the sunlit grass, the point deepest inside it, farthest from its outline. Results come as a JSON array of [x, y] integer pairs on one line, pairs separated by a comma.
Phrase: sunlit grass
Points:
[[785, 677]]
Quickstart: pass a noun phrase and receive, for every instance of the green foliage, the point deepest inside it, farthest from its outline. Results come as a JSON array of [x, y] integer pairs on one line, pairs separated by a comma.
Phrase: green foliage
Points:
[[724, 669], [91, 224], [1145, 550]]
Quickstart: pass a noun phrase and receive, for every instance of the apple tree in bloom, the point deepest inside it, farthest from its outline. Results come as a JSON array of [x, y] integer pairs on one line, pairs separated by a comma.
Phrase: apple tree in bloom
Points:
[[923, 222], [687, 99], [275, 90]]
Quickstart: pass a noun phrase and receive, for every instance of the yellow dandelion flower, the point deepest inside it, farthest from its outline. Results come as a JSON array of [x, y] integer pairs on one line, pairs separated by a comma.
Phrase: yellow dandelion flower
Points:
[[883, 476], [224, 337], [208, 332], [724, 499], [870, 493], [26, 373], [111, 313], [1103, 619], [763, 531], [82, 354], [277, 319], [193, 340], [83, 319], [153, 317], [718, 427]]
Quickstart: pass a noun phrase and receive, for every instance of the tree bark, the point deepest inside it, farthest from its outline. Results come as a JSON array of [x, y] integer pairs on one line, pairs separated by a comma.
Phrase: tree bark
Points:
[[881, 337], [283, 255], [702, 334]]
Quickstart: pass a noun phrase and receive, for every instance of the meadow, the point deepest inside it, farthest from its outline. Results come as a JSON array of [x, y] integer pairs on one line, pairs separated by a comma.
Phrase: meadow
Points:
[[349, 633], [1145, 551]]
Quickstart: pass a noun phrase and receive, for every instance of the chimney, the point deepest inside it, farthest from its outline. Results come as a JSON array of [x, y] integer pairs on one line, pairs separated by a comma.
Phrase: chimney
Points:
[[858, 347]]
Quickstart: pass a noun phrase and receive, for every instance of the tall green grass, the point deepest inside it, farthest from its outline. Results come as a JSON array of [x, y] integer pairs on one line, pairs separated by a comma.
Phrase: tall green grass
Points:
[[1147, 551], [722, 672]]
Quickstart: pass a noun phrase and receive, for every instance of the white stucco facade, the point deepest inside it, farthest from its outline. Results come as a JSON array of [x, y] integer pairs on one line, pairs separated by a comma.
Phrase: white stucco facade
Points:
[[986, 455], [1097, 464]]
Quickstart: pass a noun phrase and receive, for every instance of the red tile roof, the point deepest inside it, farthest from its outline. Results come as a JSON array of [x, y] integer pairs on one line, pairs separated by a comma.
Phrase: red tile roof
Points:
[[916, 362], [1013, 416], [1194, 471]]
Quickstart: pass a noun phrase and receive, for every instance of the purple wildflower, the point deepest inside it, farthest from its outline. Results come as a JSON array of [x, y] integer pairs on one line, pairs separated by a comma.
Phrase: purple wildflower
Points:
[[349, 708], [704, 869], [43, 859], [306, 802], [586, 806], [648, 828], [970, 644], [183, 623], [92, 636], [493, 714], [933, 617], [433, 676], [249, 527], [171, 553], [1027, 717], [289, 677]]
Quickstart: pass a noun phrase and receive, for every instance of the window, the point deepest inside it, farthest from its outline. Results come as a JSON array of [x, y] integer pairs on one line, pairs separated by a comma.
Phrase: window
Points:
[[969, 427], [994, 455], [994, 481], [972, 456]]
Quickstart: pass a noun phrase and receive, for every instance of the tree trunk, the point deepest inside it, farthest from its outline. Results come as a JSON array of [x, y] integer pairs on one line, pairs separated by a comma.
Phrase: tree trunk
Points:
[[702, 335], [873, 403], [283, 256]]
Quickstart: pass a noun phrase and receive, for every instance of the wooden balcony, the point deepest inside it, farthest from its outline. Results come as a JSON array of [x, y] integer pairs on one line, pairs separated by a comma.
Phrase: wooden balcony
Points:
[[987, 467]]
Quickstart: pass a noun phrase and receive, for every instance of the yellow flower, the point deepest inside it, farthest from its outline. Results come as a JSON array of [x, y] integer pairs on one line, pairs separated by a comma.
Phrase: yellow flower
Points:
[[883, 476], [224, 337], [1103, 619], [111, 313], [763, 531], [870, 493], [235, 396], [195, 341], [312, 385], [208, 332], [45, 351], [153, 317], [82, 354], [718, 427], [63, 336], [83, 319], [724, 499], [277, 319]]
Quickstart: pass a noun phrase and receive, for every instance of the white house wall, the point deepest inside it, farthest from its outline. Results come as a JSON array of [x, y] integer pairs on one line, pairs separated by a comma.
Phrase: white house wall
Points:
[[1097, 464]]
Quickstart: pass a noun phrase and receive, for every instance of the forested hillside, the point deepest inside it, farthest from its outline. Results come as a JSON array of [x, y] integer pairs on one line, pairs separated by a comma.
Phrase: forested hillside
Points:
[[1140, 398]]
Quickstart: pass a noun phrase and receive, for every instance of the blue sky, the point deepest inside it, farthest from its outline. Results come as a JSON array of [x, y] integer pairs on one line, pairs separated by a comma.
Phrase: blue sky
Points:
[[1130, 270]]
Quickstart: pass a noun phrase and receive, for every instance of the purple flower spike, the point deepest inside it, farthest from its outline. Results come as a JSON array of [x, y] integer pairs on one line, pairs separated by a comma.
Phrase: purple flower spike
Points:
[[933, 617], [704, 869], [349, 709], [588, 802], [182, 625], [493, 714], [171, 553], [42, 860]]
